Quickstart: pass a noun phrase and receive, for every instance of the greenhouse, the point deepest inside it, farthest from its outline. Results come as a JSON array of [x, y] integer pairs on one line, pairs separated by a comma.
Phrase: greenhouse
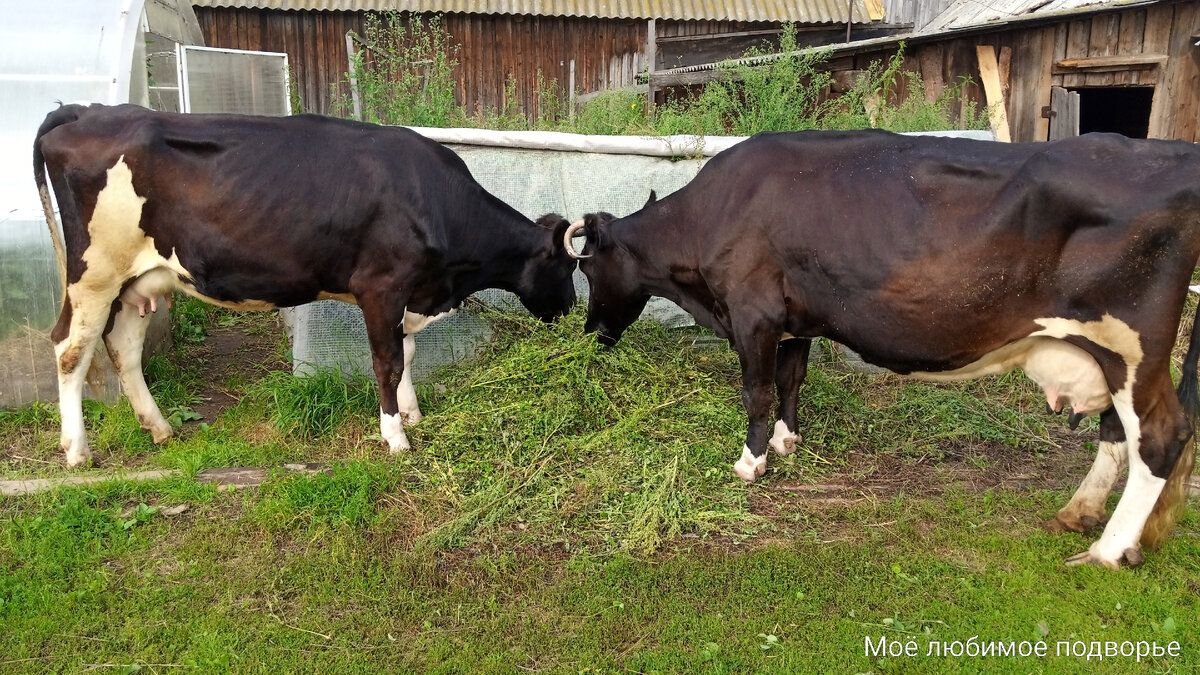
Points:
[[91, 51]]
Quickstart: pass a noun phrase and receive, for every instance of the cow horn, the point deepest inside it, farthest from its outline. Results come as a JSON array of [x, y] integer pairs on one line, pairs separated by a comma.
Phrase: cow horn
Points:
[[569, 235]]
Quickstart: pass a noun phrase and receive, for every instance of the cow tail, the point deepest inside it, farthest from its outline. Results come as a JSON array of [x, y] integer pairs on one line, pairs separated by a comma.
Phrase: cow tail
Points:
[[1173, 499], [63, 115]]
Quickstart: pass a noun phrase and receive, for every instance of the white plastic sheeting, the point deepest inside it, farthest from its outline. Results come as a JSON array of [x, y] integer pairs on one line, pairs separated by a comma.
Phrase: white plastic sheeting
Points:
[[537, 173], [60, 50]]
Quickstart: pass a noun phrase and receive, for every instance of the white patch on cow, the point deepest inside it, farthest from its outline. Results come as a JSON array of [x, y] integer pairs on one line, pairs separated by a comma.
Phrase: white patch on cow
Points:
[[784, 442], [406, 394], [1142, 489], [415, 323], [1109, 332], [124, 343], [391, 428], [748, 468], [1089, 500], [73, 438]]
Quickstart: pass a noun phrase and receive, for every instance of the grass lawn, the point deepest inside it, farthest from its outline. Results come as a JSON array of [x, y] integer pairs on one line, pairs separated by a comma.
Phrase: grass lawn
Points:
[[570, 508]]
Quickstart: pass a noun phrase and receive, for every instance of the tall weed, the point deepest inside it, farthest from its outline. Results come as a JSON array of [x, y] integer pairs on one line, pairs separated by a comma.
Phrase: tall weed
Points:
[[406, 75]]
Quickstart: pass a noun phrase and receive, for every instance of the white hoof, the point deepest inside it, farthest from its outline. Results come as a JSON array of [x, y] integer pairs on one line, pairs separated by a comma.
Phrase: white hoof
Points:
[[783, 442], [392, 430], [1132, 557], [748, 468], [78, 456]]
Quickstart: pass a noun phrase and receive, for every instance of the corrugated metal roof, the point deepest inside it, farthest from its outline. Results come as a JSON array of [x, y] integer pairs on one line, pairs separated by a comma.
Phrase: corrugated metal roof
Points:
[[975, 13], [795, 11]]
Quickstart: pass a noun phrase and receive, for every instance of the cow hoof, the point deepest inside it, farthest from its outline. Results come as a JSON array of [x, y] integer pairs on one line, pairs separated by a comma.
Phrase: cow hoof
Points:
[[1132, 557], [783, 442], [1061, 523], [749, 467], [76, 458], [160, 435]]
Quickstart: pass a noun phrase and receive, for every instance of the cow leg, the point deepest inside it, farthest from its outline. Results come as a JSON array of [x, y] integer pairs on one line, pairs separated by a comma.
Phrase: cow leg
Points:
[[1086, 510], [1154, 440], [384, 317], [791, 368], [756, 351], [124, 343], [406, 394], [75, 335]]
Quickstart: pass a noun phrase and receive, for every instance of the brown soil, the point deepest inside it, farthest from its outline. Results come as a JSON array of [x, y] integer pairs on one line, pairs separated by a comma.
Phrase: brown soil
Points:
[[235, 355]]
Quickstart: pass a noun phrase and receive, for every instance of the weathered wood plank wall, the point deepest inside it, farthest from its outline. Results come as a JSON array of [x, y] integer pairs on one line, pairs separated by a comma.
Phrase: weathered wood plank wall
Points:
[[1165, 29], [607, 53]]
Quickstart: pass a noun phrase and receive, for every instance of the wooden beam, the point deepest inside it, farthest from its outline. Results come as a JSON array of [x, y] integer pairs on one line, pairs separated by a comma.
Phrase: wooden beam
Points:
[[1105, 63], [652, 64], [989, 75], [669, 79], [671, 39]]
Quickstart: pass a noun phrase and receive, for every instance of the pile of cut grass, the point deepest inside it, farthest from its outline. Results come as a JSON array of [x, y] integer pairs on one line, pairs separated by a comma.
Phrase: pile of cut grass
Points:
[[547, 439]]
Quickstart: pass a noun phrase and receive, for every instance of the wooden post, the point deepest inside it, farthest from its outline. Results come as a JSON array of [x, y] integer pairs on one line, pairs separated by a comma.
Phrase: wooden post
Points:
[[652, 58], [355, 103], [849, 17], [989, 74], [571, 84]]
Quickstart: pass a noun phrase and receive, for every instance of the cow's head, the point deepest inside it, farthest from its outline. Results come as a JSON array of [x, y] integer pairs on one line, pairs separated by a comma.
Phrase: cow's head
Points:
[[547, 289], [616, 298]]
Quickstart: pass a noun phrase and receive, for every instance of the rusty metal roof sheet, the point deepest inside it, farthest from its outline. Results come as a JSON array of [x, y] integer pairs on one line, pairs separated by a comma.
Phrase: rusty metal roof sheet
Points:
[[795, 11]]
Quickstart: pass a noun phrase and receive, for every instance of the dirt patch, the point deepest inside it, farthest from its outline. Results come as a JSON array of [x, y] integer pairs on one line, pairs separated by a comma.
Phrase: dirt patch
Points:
[[975, 466], [233, 356]]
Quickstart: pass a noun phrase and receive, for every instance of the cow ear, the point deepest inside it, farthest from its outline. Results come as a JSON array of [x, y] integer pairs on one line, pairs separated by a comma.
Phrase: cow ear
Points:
[[560, 229], [653, 198], [595, 225]]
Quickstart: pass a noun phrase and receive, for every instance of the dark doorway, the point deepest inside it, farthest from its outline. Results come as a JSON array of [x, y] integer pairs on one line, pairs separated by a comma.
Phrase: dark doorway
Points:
[[1121, 110]]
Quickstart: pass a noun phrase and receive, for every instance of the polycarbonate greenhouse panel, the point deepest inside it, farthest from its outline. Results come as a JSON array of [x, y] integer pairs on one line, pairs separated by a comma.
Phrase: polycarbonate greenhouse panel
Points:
[[54, 50], [233, 81]]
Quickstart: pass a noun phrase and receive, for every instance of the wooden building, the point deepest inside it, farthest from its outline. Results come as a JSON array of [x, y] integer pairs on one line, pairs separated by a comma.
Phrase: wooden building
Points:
[[583, 46], [1054, 68]]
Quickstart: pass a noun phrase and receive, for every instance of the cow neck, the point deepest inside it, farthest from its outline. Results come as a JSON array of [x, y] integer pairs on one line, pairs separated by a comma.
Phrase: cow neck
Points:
[[498, 259], [656, 246]]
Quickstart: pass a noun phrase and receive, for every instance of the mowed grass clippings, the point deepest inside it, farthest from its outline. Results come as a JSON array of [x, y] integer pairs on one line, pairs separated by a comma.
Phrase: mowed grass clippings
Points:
[[568, 507]]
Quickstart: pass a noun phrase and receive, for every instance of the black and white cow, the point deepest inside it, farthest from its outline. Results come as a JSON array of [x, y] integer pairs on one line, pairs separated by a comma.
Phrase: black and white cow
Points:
[[262, 212], [945, 259]]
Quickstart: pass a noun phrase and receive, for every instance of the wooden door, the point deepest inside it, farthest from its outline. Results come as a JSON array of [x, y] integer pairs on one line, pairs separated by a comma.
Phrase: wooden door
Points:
[[1064, 113]]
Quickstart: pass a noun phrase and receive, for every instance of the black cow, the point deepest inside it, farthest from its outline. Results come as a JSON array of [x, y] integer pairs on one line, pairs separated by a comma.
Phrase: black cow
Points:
[[945, 259], [262, 212]]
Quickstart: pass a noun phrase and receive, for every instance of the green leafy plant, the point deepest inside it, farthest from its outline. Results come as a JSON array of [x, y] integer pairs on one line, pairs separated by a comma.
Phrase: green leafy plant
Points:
[[403, 72]]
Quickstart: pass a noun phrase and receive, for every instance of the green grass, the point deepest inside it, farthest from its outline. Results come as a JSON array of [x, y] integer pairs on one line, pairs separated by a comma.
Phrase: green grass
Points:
[[566, 507], [231, 585]]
